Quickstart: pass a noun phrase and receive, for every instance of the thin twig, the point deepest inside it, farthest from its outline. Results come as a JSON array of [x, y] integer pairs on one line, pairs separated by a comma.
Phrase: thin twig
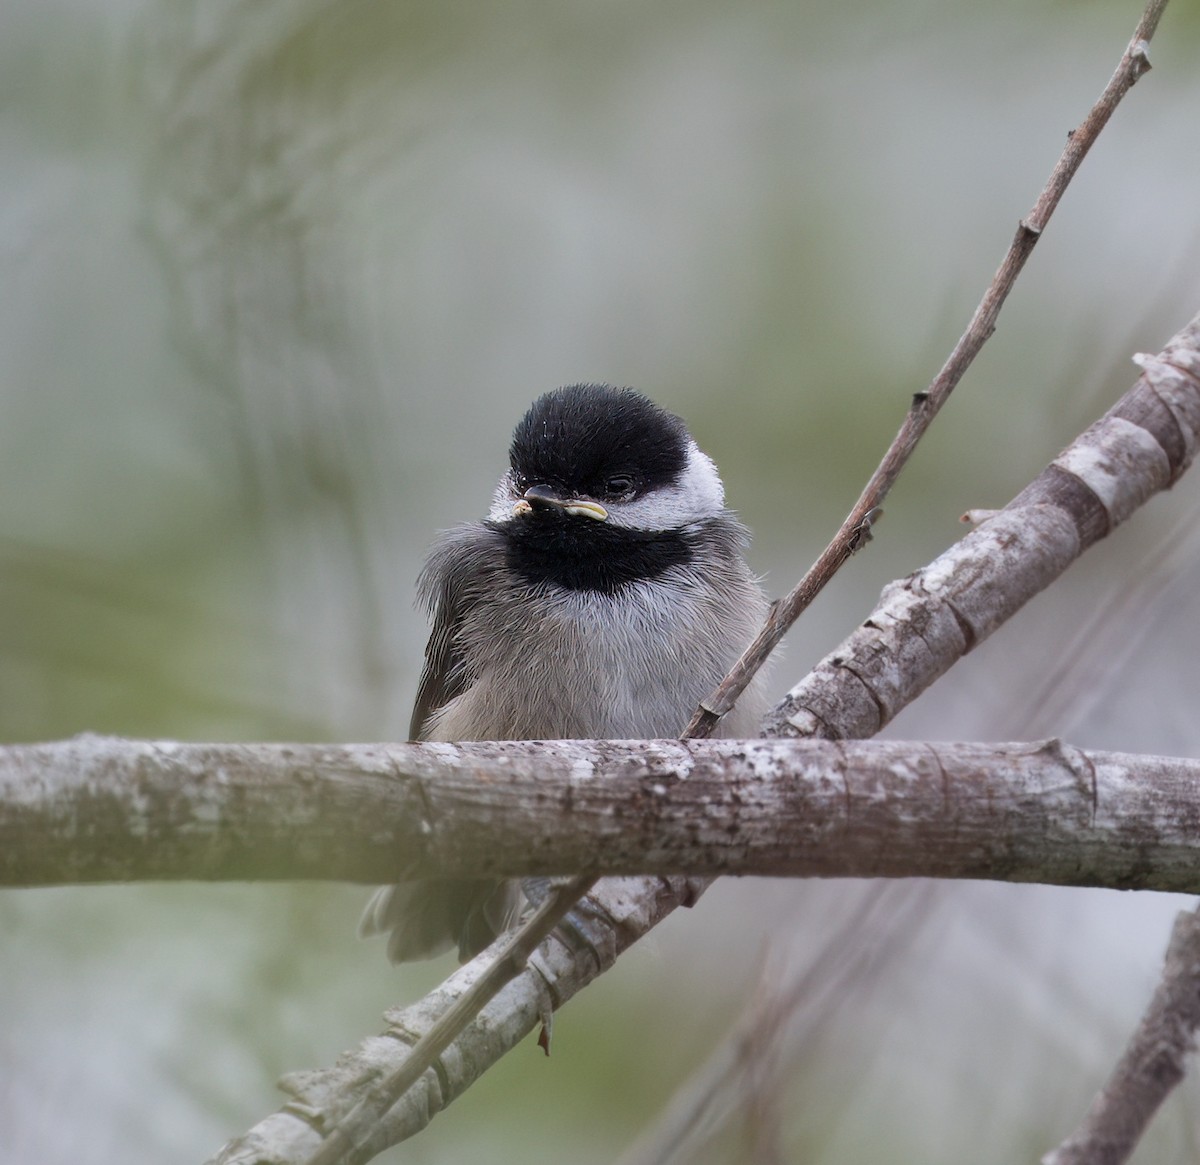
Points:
[[1152, 1065], [856, 529], [346, 1138]]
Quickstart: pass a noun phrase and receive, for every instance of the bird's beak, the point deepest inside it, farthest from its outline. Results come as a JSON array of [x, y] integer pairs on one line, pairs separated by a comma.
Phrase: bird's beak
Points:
[[542, 497]]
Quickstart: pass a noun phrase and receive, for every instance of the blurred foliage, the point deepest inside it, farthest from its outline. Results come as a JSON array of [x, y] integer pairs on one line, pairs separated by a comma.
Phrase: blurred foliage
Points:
[[275, 281]]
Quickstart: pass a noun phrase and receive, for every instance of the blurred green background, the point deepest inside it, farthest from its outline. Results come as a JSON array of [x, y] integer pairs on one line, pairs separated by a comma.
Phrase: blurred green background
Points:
[[276, 279]]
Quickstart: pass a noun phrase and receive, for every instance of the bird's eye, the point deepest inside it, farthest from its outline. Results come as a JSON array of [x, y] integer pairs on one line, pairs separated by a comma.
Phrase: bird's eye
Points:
[[620, 485]]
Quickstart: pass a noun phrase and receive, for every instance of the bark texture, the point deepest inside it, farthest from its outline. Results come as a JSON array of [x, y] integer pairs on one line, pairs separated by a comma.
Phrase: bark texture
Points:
[[803, 808], [1151, 1066]]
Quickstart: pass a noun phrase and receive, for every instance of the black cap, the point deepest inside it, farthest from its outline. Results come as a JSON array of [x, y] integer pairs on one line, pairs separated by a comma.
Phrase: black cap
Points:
[[578, 438]]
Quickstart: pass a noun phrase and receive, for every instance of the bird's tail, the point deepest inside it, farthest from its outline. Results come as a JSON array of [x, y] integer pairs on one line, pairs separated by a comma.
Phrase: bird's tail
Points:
[[424, 919]]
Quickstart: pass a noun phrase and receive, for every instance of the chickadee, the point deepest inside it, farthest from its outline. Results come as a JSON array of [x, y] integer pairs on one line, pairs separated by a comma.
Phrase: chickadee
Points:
[[604, 595]]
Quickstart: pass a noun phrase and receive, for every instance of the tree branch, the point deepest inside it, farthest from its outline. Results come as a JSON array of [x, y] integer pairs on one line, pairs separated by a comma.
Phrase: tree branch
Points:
[[508, 958], [603, 925], [799, 808], [1151, 1066]]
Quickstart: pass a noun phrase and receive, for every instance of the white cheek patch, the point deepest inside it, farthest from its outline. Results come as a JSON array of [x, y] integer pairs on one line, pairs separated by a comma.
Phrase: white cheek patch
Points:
[[504, 498], [696, 495]]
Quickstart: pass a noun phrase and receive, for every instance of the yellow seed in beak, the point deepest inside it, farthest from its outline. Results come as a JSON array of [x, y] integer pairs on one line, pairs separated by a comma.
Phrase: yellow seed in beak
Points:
[[587, 510]]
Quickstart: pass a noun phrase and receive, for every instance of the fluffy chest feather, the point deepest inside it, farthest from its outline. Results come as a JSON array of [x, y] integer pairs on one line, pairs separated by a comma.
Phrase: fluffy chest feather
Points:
[[552, 663]]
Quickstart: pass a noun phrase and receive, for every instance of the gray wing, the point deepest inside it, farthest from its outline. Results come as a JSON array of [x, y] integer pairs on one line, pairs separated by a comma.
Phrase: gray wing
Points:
[[444, 675], [449, 587], [425, 918]]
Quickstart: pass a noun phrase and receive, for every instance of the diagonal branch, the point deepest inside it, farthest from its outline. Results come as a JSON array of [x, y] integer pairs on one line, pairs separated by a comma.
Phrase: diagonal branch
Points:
[[605, 923], [1151, 1066], [932, 618], [507, 958]]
